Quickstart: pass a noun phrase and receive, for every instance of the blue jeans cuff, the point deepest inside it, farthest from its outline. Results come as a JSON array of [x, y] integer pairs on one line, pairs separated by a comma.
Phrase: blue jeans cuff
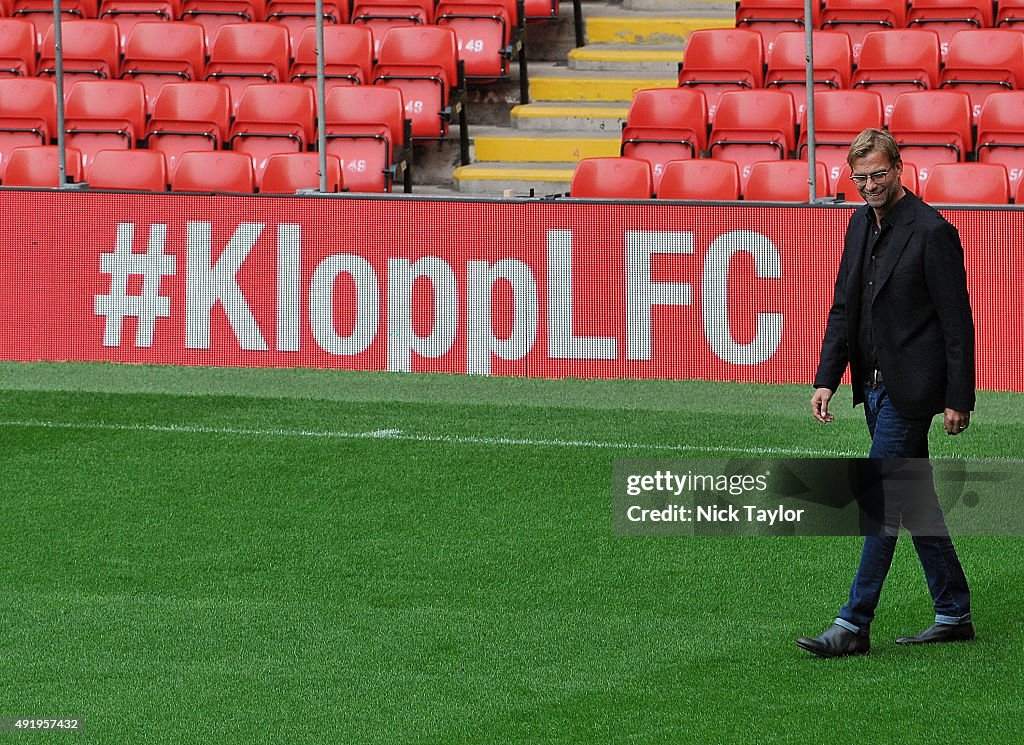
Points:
[[952, 620], [847, 625]]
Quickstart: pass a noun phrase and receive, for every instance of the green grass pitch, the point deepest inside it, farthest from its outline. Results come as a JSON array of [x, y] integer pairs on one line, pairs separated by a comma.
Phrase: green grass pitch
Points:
[[296, 556]]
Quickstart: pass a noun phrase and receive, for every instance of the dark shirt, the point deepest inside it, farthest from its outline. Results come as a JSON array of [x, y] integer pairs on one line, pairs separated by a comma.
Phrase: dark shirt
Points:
[[876, 243]]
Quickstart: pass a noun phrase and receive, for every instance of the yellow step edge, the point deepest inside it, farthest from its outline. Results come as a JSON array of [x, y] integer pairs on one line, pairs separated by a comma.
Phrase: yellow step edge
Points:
[[612, 30], [543, 149], [477, 173], [592, 89], [584, 54], [569, 112]]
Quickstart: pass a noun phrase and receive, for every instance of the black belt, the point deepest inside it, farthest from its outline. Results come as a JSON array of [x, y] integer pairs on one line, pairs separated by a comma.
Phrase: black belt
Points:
[[875, 377]]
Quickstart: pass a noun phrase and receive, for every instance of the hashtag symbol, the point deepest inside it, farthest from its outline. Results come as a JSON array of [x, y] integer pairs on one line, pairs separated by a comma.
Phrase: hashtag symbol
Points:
[[124, 263]]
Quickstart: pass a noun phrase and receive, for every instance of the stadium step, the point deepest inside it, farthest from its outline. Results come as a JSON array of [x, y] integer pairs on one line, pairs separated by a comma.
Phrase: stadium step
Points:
[[657, 27], [555, 147], [582, 116], [519, 179], [660, 60]]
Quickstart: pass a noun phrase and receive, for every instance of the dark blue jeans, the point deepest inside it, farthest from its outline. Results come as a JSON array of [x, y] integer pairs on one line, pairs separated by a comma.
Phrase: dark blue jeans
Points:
[[895, 436]]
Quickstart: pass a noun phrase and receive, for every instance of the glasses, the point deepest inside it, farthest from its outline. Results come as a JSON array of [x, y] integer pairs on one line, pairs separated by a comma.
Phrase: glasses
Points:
[[878, 177]]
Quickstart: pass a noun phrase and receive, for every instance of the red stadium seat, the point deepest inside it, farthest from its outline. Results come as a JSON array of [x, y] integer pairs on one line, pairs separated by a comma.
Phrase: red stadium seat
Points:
[[1001, 134], [845, 187], [212, 15], [92, 50], [28, 114], [245, 54], [218, 171], [160, 53], [424, 63], [787, 64], [540, 10], [968, 183], [983, 62], [128, 13], [105, 115], [488, 31], [1019, 194], [784, 181], [40, 12], [859, 17], [187, 117], [714, 180], [17, 48], [1009, 13], [299, 15], [612, 178], [39, 166], [286, 173], [722, 59], [932, 127], [382, 15], [273, 119], [946, 17], [839, 116], [665, 124], [348, 57], [900, 61], [368, 130], [142, 170], [772, 17], [751, 126]]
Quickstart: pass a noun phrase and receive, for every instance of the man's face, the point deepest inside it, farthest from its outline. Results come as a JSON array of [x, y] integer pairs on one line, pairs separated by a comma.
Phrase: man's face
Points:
[[879, 193]]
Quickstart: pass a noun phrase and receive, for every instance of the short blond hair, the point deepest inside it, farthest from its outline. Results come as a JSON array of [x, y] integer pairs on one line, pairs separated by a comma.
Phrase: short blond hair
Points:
[[873, 140]]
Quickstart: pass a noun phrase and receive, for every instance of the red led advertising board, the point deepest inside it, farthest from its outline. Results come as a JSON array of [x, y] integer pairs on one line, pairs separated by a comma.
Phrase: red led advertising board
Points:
[[549, 288]]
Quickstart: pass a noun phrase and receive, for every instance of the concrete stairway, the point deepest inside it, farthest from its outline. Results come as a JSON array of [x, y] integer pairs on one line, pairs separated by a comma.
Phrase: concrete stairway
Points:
[[579, 99]]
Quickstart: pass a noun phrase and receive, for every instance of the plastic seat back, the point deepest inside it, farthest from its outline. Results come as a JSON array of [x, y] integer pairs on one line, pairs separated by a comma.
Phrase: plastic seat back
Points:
[[213, 15], [859, 17], [932, 127], [160, 53], [772, 17], [984, 61], [127, 14], [365, 128], [39, 166], [1001, 134], [722, 59], [541, 10], [665, 124], [968, 183], [245, 54], [424, 63], [40, 13], [1009, 13], [380, 16], [216, 171], [715, 180], [92, 49], [299, 15], [286, 173], [484, 28], [900, 61], [784, 181], [946, 17], [273, 119], [612, 178], [105, 115], [751, 126], [348, 57], [17, 48], [28, 114], [189, 116], [833, 62], [143, 170]]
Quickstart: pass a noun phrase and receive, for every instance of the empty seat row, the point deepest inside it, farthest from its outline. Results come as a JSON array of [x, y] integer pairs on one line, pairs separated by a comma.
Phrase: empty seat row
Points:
[[365, 126], [146, 170], [858, 17], [492, 29], [777, 181], [891, 62], [932, 126]]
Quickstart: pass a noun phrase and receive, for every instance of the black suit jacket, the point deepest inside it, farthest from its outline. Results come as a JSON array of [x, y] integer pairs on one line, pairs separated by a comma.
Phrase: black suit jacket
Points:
[[921, 313]]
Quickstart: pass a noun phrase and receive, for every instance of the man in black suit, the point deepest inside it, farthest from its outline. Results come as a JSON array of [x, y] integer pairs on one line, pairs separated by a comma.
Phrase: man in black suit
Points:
[[901, 319]]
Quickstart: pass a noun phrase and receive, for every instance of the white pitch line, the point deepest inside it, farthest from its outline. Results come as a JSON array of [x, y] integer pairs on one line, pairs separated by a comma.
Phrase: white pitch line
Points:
[[397, 434]]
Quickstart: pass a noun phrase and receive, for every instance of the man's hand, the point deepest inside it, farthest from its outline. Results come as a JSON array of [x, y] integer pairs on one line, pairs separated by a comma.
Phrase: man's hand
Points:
[[957, 421], [819, 405]]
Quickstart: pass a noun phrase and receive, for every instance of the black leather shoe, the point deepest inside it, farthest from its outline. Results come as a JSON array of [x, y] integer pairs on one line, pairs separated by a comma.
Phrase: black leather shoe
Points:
[[939, 633], [837, 641]]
